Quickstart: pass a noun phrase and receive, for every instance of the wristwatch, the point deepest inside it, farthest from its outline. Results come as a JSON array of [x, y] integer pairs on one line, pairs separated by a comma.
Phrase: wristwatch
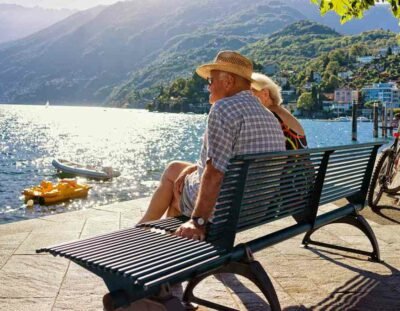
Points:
[[199, 222]]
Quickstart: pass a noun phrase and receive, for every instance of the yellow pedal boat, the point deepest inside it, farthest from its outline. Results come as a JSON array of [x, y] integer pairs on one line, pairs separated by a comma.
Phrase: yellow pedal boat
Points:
[[48, 193]]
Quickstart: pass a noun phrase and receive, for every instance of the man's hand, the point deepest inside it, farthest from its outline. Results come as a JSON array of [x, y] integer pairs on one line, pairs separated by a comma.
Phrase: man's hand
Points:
[[190, 231]]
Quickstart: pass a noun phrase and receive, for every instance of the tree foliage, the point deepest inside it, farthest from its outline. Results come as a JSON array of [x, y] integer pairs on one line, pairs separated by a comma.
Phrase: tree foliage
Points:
[[305, 102], [349, 9]]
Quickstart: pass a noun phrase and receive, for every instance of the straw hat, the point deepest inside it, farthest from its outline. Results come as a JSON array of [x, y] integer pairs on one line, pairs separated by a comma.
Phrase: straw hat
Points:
[[228, 61]]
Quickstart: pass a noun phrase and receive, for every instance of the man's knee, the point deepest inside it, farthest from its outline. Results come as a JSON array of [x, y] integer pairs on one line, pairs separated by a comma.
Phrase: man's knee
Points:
[[173, 170]]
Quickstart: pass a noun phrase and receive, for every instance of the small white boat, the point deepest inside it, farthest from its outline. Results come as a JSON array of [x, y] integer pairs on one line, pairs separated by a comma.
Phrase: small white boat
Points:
[[363, 119], [76, 169], [342, 119]]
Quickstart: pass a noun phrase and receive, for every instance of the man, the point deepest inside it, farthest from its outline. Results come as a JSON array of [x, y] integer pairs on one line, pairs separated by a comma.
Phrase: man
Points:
[[237, 124]]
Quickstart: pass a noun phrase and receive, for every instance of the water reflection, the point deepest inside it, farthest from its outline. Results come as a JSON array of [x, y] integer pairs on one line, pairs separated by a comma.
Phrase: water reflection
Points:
[[136, 142]]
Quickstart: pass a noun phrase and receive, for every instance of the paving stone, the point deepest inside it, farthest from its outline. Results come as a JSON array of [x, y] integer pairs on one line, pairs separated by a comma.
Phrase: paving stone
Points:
[[9, 242], [301, 290], [29, 276], [133, 206], [3, 259], [42, 239], [105, 223], [251, 301], [389, 234], [315, 278], [21, 226], [80, 290], [373, 296], [366, 266], [128, 220], [238, 284], [26, 304], [214, 290]]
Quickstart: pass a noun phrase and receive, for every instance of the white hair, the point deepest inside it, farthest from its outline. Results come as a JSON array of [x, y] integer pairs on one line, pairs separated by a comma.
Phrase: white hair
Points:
[[261, 81]]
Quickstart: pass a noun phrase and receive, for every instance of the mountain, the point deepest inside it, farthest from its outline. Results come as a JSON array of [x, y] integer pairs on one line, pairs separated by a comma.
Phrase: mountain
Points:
[[126, 50], [18, 22], [82, 58]]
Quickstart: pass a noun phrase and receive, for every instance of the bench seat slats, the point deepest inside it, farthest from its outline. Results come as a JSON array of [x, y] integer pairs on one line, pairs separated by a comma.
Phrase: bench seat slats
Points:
[[107, 254], [102, 251], [172, 268], [187, 272], [141, 274], [77, 243], [164, 252], [143, 255], [132, 256]]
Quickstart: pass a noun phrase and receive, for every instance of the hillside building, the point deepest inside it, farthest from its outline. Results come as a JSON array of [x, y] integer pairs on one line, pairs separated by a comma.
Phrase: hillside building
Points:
[[345, 74], [384, 51], [365, 59], [317, 77], [345, 95], [386, 93]]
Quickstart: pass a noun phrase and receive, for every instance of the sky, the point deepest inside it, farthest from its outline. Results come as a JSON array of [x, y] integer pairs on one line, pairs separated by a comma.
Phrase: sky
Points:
[[61, 4]]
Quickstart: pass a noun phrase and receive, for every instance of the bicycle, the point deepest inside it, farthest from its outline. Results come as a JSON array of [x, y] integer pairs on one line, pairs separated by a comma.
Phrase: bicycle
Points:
[[386, 177]]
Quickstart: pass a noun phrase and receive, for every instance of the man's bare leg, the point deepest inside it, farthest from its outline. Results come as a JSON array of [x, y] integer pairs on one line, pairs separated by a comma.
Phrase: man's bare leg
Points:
[[163, 198]]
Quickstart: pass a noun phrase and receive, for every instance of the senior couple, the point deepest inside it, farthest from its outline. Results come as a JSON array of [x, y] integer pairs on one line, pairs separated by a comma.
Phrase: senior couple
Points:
[[237, 124]]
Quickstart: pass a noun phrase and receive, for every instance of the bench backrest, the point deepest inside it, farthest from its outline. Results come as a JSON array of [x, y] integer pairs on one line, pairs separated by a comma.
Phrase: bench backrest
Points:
[[347, 174], [258, 189]]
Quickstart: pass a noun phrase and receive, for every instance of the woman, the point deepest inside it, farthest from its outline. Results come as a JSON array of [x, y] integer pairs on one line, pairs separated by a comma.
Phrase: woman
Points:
[[269, 94]]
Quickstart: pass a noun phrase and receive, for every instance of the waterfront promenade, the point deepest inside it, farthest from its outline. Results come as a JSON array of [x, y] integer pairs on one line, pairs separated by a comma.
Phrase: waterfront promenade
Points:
[[305, 279]]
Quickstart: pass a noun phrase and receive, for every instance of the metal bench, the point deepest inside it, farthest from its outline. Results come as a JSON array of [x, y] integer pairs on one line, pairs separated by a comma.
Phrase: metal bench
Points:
[[145, 260]]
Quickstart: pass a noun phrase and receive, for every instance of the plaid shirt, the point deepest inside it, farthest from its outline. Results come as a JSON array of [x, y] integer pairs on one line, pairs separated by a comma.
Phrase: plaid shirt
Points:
[[236, 125]]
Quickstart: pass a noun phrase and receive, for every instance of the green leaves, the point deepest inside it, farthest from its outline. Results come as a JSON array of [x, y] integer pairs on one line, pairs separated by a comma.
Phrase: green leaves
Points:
[[349, 9]]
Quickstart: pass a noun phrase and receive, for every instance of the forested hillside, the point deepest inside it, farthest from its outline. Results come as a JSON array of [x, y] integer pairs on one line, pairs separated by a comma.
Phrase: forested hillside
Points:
[[302, 50]]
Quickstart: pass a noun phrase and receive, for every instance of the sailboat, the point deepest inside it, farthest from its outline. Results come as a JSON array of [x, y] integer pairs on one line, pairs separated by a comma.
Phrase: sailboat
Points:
[[47, 104]]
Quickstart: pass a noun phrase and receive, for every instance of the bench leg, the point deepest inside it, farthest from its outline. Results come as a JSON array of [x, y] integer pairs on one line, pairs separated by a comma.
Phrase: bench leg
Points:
[[251, 270], [357, 221]]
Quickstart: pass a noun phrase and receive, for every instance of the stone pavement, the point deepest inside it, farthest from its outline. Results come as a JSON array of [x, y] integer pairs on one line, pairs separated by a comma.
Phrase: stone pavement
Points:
[[305, 279]]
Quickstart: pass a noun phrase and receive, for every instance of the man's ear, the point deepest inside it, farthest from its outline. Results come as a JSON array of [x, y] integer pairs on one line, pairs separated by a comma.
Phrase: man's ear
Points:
[[229, 82]]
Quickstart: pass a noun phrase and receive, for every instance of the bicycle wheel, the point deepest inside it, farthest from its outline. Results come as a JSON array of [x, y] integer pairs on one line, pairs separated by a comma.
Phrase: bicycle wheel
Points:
[[393, 183], [378, 183]]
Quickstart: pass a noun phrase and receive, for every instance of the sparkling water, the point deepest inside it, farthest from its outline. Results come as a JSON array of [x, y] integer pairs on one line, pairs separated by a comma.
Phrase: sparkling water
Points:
[[137, 143]]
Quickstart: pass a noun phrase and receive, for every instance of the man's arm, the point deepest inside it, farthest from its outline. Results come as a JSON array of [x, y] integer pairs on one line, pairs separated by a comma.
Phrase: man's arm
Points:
[[210, 185]]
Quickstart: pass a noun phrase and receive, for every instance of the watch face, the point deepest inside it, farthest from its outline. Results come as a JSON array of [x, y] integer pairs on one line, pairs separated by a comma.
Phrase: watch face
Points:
[[200, 221]]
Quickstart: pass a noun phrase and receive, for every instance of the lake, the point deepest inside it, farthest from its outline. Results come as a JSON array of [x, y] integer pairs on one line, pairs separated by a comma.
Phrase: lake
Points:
[[136, 142]]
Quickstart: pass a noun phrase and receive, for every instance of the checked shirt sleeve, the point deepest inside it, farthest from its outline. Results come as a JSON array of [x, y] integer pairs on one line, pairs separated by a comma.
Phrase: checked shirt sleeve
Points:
[[221, 139]]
